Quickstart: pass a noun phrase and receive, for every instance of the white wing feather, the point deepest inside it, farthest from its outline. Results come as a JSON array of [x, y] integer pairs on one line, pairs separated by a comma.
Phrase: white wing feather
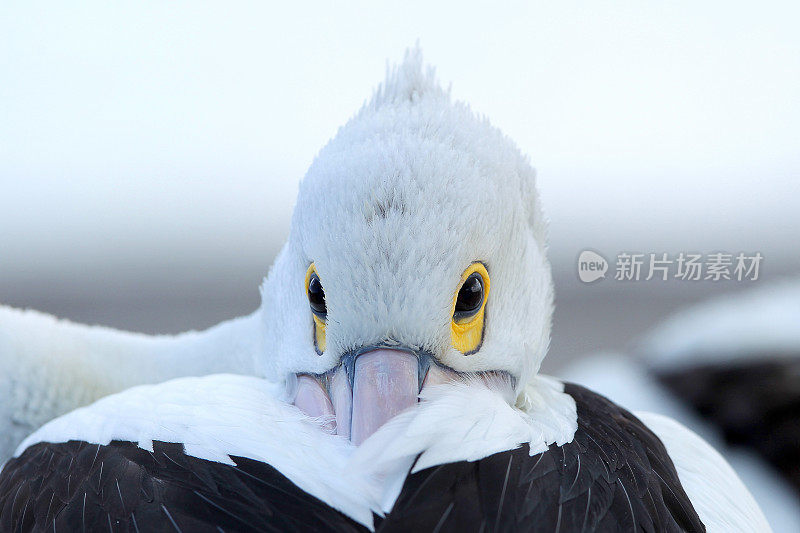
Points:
[[49, 367]]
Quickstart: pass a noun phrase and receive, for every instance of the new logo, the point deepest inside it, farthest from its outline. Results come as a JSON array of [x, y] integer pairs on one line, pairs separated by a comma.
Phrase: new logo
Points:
[[591, 266]]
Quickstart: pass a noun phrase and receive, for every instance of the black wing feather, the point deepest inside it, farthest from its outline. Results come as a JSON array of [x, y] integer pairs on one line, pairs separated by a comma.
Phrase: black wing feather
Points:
[[132, 489]]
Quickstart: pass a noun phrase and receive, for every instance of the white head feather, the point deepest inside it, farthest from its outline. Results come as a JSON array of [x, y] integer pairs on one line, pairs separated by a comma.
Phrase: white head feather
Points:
[[411, 191]]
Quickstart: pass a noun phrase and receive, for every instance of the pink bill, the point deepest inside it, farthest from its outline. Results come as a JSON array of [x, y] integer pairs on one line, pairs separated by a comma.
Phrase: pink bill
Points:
[[313, 400], [386, 382]]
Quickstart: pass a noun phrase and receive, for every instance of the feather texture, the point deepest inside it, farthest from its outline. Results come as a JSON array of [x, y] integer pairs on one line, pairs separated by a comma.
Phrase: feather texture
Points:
[[615, 475]]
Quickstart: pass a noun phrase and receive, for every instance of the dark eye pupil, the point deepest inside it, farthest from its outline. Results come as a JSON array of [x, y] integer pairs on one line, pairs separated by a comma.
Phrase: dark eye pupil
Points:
[[470, 297], [316, 296]]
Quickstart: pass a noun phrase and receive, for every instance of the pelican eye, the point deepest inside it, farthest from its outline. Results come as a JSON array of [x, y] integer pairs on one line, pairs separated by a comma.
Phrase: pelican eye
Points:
[[470, 297], [316, 296], [469, 309], [319, 309]]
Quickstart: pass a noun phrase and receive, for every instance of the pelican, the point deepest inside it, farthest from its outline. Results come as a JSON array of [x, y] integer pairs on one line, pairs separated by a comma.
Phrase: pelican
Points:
[[390, 379]]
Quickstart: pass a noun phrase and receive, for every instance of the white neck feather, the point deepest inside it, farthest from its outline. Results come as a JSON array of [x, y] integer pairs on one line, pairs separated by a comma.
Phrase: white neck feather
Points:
[[50, 366]]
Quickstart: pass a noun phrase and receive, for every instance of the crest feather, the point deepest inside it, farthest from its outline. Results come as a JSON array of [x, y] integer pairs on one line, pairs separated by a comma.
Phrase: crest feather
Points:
[[408, 81]]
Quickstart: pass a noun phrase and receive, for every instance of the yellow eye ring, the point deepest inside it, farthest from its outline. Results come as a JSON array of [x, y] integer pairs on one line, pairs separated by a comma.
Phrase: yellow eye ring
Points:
[[319, 322], [466, 329]]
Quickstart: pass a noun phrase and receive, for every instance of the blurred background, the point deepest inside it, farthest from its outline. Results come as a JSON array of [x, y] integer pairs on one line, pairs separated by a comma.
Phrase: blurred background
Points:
[[150, 152]]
